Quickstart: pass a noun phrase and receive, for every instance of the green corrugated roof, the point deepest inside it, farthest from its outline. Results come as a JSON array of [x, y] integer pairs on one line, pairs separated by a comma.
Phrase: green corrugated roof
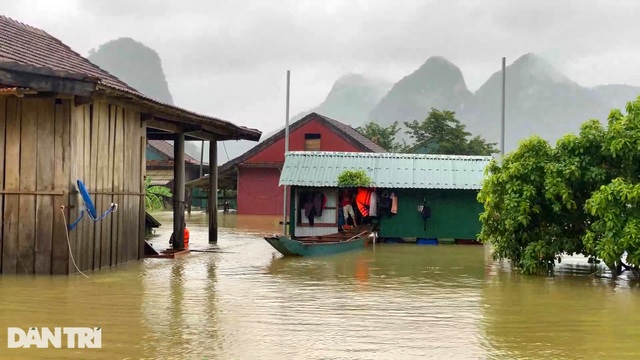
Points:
[[387, 170]]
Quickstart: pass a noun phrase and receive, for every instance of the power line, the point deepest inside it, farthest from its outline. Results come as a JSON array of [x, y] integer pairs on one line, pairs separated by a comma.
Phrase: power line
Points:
[[225, 151]]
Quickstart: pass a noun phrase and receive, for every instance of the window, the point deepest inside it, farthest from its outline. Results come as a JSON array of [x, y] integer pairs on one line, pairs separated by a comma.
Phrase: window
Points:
[[311, 142]]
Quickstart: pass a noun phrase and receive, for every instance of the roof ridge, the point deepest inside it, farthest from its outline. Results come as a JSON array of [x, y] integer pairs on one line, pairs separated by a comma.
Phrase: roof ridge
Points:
[[59, 42], [19, 23]]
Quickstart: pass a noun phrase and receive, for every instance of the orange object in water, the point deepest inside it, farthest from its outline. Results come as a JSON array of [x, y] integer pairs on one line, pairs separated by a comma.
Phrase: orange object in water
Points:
[[186, 238]]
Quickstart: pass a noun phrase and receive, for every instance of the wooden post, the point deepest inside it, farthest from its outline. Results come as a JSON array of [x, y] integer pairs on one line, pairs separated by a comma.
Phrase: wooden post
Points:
[[188, 193], [213, 192], [178, 192]]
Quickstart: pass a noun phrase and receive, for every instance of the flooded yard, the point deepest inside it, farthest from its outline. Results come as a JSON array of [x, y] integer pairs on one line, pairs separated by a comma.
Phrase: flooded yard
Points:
[[390, 301]]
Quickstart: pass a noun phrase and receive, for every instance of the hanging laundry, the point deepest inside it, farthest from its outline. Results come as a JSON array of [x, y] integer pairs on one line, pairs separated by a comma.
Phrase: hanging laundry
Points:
[[309, 209], [384, 204], [319, 201], [373, 206], [394, 203]]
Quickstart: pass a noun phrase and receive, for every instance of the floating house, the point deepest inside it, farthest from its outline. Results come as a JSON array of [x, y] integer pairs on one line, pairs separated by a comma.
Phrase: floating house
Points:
[[447, 184], [256, 173], [63, 119]]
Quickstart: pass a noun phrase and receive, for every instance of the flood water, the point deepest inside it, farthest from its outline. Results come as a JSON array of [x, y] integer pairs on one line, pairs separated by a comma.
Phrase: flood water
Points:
[[391, 301]]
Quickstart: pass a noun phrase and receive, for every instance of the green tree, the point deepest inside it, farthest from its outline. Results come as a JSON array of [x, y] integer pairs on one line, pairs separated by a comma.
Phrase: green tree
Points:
[[385, 137], [581, 197], [442, 133], [154, 195]]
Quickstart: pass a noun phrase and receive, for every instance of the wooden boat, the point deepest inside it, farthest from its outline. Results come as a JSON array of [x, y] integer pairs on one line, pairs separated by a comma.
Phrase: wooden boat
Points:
[[321, 245]]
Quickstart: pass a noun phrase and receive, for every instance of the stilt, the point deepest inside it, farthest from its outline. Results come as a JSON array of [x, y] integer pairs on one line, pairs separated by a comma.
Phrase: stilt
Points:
[[213, 192], [178, 192]]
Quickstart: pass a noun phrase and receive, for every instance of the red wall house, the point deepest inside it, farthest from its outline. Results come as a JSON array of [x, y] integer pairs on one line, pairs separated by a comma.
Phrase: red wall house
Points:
[[258, 170]]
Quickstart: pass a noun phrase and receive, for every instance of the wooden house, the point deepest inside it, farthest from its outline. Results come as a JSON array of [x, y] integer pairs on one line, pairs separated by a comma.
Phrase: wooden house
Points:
[[64, 119], [448, 184], [160, 165], [257, 171]]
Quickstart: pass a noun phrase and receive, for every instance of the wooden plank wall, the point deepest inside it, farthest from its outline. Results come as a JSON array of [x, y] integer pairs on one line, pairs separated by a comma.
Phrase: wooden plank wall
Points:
[[46, 145], [107, 139], [35, 144]]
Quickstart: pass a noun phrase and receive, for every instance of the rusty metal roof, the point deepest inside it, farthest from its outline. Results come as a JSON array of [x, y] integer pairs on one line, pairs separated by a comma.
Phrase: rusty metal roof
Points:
[[387, 170], [166, 149]]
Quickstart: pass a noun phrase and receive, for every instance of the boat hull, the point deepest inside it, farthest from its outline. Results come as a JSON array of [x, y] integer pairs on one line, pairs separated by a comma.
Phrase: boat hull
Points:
[[275, 242], [289, 247]]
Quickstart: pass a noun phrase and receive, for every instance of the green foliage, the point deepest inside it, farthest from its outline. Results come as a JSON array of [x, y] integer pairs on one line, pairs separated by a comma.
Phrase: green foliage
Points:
[[154, 195], [439, 133], [354, 178], [442, 133], [581, 197], [383, 136]]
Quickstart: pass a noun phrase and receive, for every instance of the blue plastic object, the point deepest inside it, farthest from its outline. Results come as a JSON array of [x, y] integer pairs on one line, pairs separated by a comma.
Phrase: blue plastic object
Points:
[[87, 205], [423, 241]]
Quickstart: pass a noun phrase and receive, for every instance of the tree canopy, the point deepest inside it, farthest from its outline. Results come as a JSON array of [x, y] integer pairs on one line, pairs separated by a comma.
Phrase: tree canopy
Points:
[[442, 133], [385, 137], [439, 133], [580, 197]]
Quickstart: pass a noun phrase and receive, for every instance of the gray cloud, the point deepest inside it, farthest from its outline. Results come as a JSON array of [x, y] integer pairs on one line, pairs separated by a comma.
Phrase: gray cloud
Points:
[[228, 58]]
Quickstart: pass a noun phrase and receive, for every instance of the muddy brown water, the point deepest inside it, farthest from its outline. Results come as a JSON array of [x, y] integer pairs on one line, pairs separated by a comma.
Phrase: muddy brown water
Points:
[[391, 301]]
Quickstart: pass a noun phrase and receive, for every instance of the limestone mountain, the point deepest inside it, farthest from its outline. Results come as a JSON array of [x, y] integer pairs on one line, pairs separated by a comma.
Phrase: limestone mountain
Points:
[[616, 96], [351, 99], [141, 67], [136, 64], [437, 83], [539, 100]]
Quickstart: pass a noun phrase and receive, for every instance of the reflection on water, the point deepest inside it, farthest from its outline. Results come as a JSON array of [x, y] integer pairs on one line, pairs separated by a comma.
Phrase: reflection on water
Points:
[[386, 302]]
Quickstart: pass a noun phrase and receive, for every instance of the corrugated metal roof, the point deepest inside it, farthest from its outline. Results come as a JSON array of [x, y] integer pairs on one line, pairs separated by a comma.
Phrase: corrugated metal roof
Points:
[[160, 177], [387, 170]]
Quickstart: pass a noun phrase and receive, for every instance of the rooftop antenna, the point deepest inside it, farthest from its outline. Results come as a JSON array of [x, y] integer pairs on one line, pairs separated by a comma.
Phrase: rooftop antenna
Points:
[[286, 150]]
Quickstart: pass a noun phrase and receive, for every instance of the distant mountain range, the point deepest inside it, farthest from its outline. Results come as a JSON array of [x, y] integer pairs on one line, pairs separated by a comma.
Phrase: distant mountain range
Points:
[[539, 99]]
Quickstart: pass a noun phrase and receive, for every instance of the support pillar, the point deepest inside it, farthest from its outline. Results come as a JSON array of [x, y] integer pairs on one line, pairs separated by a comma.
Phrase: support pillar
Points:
[[213, 192], [178, 191]]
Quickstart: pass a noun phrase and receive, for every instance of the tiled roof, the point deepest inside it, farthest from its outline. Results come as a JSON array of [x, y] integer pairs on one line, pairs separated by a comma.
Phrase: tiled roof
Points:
[[26, 45], [355, 135], [344, 130], [165, 148], [31, 46], [387, 170]]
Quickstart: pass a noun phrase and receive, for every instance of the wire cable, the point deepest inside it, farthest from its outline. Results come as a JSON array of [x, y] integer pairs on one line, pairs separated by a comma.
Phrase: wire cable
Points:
[[66, 229]]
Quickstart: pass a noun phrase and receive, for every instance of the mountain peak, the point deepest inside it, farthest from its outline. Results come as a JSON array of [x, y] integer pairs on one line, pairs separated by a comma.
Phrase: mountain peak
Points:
[[136, 64], [532, 65], [437, 83]]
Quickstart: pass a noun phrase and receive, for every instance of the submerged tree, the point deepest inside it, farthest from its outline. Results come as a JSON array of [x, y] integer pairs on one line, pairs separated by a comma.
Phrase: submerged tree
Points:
[[581, 197], [442, 133]]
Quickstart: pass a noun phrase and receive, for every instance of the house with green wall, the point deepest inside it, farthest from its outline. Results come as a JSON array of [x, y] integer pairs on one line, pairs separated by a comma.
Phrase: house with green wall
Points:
[[448, 184]]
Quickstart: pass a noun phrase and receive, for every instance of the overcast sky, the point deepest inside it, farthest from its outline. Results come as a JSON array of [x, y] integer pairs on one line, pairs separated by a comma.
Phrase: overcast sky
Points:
[[229, 58]]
